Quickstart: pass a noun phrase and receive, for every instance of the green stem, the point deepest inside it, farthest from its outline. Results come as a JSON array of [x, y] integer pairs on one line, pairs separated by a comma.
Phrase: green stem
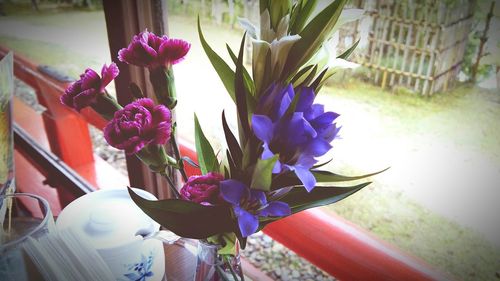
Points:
[[221, 273], [106, 105], [228, 263], [174, 190], [172, 95], [180, 163]]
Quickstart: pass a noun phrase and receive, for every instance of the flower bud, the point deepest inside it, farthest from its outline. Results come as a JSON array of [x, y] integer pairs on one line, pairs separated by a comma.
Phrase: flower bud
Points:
[[139, 124], [203, 189], [278, 9]]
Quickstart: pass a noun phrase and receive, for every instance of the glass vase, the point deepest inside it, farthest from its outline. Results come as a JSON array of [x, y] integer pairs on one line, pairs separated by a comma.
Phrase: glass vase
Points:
[[211, 266], [6, 130]]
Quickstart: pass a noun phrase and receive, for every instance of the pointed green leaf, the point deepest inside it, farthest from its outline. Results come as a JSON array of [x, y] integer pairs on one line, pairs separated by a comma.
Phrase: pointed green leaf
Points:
[[317, 81], [325, 78], [190, 161], [309, 77], [206, 156], [313, 36], [263, 5], [301, 74], [187, 219], [232, 143], [345, 55], [290, 179], [229, 242], [246, 155], [266, 81], [300, 16], [262, 174], [248, 79], [241, 94], [299, 199], [325, 176], [232, 165], [225, 73], [322, 164]]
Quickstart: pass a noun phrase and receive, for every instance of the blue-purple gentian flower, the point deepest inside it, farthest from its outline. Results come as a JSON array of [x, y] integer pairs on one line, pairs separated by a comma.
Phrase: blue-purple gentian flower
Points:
[[298, 137], [250, 204]]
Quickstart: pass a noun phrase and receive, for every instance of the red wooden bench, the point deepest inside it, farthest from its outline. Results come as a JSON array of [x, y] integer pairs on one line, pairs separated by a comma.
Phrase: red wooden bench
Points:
[[328, 241]]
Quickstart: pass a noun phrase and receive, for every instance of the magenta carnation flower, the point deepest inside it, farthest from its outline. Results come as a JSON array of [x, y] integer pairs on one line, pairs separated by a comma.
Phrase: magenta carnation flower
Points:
[[138, 124], [85, 91], [203, 189], [152, 51]]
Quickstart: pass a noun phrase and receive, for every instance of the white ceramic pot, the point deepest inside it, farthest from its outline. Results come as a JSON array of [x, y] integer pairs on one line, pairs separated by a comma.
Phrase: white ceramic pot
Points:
[[116, 227]]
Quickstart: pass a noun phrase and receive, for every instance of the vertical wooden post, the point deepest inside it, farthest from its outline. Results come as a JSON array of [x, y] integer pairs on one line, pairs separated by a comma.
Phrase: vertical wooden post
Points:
[[483, 39], [384, 80], [124, 19]]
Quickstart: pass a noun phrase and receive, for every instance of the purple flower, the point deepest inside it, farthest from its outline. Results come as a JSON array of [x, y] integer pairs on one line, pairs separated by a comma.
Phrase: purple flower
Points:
[[152, 51], [138, 124], [85, 91], [298, 138], [203, 189], [250, 204]]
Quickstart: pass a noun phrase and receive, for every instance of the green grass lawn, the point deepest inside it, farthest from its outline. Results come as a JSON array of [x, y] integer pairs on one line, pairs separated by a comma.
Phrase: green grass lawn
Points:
[[405, 205]]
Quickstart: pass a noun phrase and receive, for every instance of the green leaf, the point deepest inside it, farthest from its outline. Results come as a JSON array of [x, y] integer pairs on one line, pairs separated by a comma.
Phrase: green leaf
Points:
[[262, 174], [246, 162], [310, 77], [206, 156], [322, 164], [304, 79], [187, 219], [229, 243], [325, 78], [345, 55], [266, 81], [232, 166], [325, 176], [301, 73], [241, 94], [248, 79], [232, 143], [290, 179], [190, 161], [301, 14], [317, 81], [225, 73], [264, 5], [313, 36], [299, 199]]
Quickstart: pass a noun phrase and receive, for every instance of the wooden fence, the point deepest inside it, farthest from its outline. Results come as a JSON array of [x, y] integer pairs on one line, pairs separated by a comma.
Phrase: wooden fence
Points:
[[416, 44]]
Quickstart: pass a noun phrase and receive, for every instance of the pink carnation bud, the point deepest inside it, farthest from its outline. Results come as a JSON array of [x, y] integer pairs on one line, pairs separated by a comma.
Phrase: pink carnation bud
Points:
[[203, 189], [84, 92], [149, 50]]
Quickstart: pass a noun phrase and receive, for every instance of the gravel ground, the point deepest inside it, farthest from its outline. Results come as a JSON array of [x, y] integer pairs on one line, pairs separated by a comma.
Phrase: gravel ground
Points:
[[268, 255]]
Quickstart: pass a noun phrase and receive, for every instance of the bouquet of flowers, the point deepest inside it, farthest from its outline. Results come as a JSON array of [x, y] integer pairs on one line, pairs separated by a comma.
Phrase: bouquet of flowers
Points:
[[270, 168]]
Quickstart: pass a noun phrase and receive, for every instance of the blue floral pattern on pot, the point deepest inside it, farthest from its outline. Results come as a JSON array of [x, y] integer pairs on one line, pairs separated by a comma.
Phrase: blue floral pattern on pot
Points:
[[140, 271]]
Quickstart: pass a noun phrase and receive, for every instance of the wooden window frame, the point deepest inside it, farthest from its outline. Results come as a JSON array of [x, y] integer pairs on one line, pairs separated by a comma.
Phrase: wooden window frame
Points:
[[328, 241]]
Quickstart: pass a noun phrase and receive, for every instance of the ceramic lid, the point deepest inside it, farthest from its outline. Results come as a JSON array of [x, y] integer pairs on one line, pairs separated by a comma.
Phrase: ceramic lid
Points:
[[108, 218]]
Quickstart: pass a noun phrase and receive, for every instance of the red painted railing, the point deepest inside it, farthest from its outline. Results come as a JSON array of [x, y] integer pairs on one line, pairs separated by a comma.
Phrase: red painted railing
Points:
[[328, 241]]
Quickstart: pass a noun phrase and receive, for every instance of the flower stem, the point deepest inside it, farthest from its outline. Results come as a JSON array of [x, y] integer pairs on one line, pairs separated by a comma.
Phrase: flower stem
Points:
[[177, 154], [176, 193], [221, 273], [228, 263]]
